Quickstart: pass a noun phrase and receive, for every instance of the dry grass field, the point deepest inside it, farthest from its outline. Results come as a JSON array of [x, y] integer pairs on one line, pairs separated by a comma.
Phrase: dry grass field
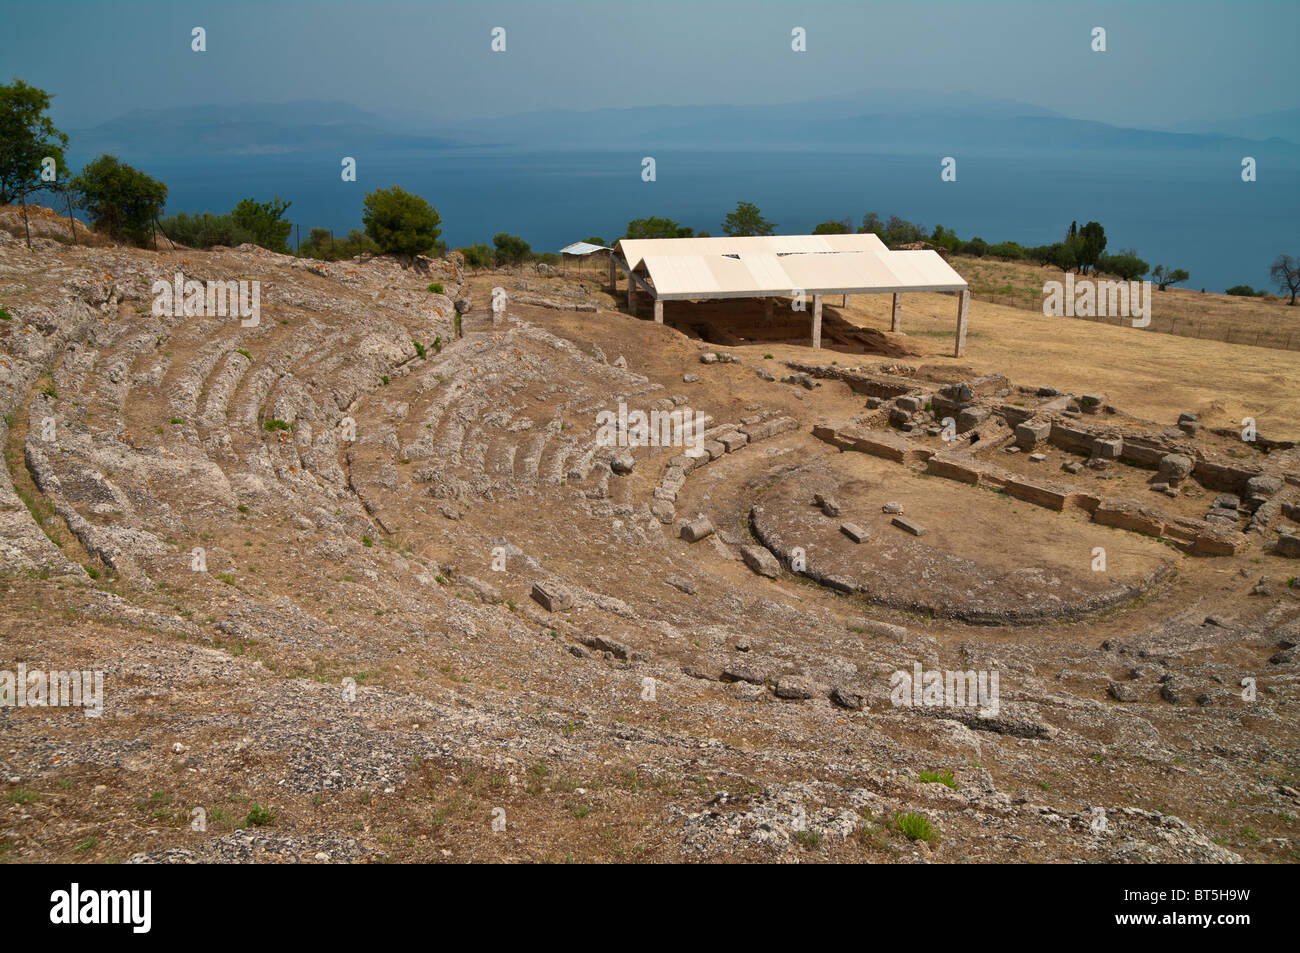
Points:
[[1157, 376], [1185, 311]]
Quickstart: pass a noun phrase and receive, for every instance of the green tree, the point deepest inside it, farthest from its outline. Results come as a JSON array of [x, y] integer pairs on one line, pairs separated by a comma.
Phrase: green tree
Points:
[[1126, 265], [746, 220], [871, 224], [122, 201], [945, 238], [401, 223], [477, 256], [833, 228], [1092, 242], [510, 249], [596, 240], [899, 231], [656, 228], [27, 137], [1164, 277], [265, 222], [317, 244], [1067, 258]]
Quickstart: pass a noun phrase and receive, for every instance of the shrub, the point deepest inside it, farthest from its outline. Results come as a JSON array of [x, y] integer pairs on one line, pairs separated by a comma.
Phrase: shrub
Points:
[[436, 287], [1245, 291], [1009, 250], [1047, 254], [915, 827], [320, 243], [938, 777], [401, 223], [122, 201], [259, 816], [809, 838], [205, 230]]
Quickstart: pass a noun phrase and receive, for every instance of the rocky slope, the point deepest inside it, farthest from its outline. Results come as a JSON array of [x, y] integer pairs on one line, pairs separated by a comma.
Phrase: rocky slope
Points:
[[365, 585]]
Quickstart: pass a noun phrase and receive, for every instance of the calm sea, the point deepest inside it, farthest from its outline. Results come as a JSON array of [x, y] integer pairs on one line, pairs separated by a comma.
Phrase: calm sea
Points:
[[1192, 213]]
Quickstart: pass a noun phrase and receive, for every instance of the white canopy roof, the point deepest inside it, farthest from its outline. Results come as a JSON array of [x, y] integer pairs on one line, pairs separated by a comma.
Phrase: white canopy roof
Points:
[[634, 249], [764, 274], [582, 248]]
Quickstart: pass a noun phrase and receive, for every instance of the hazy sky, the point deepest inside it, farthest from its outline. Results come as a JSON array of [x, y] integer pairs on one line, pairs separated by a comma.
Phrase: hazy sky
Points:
[[1166, 61]]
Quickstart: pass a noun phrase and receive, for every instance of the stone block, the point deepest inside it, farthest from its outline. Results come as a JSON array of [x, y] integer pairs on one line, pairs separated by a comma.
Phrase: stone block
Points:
[[733, 441], [1033, 432], [1108, 448], [760, 560], [854, 532], [1176, 466], [697, 529], [551, 597], [908, 526]]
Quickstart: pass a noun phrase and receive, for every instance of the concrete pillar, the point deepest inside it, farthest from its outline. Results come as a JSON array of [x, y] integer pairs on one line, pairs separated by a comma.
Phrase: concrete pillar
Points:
[[613, 276], [896, 322], [844, 303], [631, 295], [767, 308], [659, 311], [817, 321], [963, 312]]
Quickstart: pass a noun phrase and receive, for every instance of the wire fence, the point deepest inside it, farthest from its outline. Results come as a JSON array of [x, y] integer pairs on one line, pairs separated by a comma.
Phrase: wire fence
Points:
[[1285, 339]]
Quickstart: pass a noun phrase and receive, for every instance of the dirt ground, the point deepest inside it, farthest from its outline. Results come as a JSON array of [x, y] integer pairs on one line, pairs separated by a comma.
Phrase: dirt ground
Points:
[[434, 620]]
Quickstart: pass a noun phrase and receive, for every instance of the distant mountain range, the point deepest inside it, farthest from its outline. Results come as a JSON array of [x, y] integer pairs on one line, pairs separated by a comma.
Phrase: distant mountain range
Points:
[[895, 121], [1283, 124], [247, 129]]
